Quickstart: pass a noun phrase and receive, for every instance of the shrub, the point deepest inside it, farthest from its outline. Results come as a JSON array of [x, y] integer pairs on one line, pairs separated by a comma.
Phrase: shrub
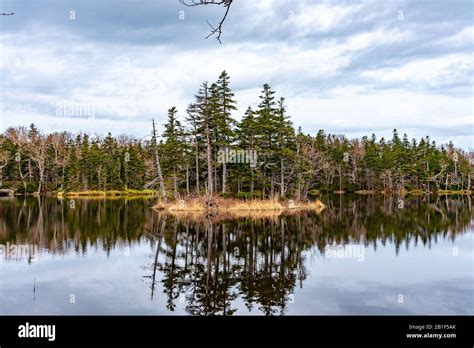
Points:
[[225, 195], [244, 195], [30, 188]]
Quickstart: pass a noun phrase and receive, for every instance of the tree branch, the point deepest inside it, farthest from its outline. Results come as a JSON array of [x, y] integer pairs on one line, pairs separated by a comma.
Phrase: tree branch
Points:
[[215, 31]]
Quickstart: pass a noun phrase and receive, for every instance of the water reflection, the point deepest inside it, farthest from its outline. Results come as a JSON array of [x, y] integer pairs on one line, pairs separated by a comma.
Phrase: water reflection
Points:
[[215, 264]]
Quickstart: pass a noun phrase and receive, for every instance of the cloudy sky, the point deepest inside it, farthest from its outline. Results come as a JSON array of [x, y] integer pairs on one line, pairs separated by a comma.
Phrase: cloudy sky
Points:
[[349, 67]]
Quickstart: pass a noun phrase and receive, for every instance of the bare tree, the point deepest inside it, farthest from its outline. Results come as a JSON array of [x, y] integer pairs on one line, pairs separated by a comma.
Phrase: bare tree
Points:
[[35, 146], [357, 155], [4, 159], [157, 163], [61, 156], [215, 30], [36, 149], [193, 120]]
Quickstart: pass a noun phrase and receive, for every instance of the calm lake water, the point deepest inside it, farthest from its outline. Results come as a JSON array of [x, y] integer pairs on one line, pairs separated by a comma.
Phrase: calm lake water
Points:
[[361, 255]]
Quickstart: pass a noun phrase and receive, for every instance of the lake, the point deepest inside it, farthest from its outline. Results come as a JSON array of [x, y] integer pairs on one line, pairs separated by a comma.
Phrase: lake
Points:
[[361, 255]]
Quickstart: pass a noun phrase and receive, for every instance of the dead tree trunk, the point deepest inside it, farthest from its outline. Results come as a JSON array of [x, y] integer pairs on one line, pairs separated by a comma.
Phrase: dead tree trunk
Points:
[[224, 176], [282, 178], [158, 165]]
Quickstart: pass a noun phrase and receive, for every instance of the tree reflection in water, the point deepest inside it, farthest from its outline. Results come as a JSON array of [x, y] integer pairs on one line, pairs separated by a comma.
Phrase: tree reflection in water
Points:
[[207, 263]]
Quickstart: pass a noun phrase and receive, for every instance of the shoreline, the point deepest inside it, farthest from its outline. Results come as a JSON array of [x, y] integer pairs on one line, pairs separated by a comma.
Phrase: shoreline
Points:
[[152, 193]]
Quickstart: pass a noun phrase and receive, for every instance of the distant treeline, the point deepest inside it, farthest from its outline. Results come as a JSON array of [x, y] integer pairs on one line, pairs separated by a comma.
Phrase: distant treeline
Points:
[[209, 152]]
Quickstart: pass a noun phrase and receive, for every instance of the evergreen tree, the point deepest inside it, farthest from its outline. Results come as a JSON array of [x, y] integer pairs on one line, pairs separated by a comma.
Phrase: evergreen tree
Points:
[[173, 149], [224, 122]]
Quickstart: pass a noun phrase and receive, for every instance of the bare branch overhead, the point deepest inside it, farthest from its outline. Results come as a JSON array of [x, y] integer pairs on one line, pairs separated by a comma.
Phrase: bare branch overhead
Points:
[[215, 30]]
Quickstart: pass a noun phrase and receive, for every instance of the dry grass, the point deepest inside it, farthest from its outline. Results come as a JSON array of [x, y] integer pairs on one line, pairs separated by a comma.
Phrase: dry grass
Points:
[[217, 217], [255, 205], [109, 193], [220, 204], [259, 214], [417, 192], [364, 192], [239, 207], [190, 205], [84, 193], [454, 192], [317, 205], [105, 198]]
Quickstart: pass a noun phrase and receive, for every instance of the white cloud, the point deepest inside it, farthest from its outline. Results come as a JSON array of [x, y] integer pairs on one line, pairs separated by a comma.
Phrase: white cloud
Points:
[[432, 72], [465, 37], [380, 112], [320, 17], [339, 78], [378, 37]]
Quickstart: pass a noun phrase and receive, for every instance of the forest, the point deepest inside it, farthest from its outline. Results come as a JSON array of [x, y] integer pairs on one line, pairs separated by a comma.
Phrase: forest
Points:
[[205, 151]]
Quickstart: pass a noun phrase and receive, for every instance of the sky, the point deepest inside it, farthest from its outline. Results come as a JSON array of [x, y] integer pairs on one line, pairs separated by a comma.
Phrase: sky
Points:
[[348, 67]]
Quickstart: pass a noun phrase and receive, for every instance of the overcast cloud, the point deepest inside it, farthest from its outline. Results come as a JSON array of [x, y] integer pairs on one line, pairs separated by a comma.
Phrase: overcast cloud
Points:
[[349, 67]]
